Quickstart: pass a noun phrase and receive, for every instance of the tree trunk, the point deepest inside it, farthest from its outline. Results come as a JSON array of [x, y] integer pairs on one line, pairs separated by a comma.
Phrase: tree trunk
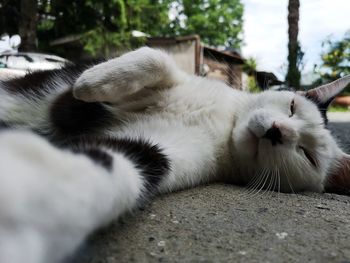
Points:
[[293, 74], [27, 24]]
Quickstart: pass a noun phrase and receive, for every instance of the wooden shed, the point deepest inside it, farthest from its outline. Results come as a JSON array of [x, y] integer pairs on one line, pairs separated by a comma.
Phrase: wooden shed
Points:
[[196, 58]]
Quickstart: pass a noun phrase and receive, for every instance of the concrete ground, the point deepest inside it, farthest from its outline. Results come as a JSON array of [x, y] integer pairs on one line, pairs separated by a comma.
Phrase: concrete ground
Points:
[[219, 223]]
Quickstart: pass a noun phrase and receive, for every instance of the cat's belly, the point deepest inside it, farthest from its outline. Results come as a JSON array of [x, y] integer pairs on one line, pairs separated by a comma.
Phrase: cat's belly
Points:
[[193, 130], [192, 150]]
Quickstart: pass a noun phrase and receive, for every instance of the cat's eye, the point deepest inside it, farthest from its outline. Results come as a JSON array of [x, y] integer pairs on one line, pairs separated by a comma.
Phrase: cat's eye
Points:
[[308, 156], [291, 109]]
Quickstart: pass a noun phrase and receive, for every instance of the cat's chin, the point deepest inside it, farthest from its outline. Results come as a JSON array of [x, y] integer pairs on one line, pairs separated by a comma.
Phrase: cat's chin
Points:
[[253, 148]]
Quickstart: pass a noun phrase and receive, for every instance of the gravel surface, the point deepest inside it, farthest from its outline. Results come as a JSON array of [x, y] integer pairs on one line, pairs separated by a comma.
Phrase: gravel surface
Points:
[[219, 223]]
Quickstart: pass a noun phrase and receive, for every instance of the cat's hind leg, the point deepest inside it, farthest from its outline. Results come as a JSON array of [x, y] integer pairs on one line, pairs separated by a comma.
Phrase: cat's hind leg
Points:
[[51, 199], [117, 78]]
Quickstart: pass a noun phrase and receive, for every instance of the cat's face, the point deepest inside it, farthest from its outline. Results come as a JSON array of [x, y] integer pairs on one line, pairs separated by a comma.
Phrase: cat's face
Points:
[[282, 144]]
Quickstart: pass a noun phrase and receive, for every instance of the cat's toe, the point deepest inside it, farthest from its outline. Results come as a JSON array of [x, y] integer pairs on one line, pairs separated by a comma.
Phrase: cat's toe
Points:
[[83, 92], [85, 88], [90, 88]]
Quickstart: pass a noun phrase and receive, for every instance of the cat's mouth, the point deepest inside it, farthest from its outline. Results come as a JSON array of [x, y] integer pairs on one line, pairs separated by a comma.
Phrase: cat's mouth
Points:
[[262, 145]]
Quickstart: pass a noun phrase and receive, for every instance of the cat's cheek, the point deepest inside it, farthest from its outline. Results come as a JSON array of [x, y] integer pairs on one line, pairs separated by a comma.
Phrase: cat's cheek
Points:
[[246, 143]]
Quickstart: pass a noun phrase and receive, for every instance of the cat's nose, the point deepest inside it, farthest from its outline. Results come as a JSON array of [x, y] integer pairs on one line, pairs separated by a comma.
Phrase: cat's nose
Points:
[[274, 135]]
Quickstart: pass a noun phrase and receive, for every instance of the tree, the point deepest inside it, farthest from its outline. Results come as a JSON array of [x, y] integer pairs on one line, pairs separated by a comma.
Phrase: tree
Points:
[[294, 51], [27, 24], [9, 16], [218, 22], [103, 25], [335, 60]]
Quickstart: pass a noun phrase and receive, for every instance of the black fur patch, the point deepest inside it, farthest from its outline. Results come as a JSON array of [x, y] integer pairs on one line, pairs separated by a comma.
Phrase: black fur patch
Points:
[[37, 84], [4, 125], [99, 156], [148, 158], [72, 117]]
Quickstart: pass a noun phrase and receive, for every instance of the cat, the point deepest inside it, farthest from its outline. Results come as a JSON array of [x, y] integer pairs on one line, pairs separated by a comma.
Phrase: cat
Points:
[[81, 146]]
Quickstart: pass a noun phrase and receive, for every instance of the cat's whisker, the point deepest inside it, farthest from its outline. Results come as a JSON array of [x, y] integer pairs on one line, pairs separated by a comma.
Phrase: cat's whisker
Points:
[[286, 174], [268, 187], [263, 183], [266, 176], [247, 192], [252, 184], [261, 177], [273, 189], [268, 184], [257, 185], [273, 183], [254, 180], [279, 184]]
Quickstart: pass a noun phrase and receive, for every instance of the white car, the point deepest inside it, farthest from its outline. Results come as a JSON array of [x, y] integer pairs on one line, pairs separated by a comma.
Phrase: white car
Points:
[[19, 63]]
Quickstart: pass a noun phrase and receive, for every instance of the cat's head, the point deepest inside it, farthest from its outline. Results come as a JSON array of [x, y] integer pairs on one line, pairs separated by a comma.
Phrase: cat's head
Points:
[[282, 142]]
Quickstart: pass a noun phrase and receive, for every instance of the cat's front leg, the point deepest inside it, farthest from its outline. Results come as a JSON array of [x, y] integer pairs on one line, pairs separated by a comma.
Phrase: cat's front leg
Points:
[[117, 78]]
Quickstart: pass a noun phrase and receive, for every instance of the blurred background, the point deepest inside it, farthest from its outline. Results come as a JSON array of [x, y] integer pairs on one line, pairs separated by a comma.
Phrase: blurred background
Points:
[[249, 44]]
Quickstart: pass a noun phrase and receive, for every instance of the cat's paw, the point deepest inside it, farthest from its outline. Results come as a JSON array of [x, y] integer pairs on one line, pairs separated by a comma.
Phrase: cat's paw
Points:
[[117, 78], [106, 82]]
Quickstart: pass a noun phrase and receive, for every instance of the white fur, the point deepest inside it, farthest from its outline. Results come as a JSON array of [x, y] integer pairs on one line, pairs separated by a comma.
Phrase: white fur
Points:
[[51, 199]]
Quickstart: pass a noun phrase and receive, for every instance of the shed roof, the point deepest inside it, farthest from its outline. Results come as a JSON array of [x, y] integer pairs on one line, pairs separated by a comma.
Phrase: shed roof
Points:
[[227, 56], [224, 55]]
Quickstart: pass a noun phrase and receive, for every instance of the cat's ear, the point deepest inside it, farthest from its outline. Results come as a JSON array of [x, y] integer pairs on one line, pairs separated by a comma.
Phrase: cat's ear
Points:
[[338, 179], [324, 94]]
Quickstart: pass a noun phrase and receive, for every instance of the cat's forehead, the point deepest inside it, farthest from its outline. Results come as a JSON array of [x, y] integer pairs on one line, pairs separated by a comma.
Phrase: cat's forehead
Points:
[[282, 97], [271, 97]]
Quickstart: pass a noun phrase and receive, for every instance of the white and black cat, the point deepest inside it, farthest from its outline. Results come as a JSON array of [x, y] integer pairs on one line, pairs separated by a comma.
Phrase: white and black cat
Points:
[[79, 147]]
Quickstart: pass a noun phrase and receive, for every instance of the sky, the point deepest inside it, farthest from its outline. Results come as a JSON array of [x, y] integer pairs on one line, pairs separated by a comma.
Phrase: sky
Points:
[[265, 30]]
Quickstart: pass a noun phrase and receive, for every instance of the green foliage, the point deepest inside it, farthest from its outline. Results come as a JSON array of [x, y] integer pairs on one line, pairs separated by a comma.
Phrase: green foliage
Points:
[[250, 66], [337, 108], [45, 25], [99, 41], [252, 85], [335, 60], [105, 26], [218, 22]]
